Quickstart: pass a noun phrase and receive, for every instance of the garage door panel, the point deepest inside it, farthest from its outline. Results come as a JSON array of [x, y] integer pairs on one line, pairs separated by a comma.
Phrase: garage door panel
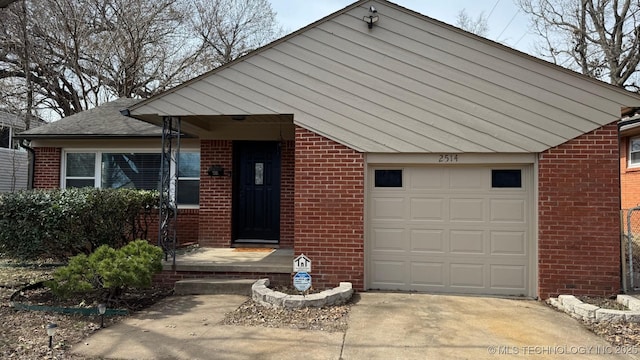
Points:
[[466, 178], [389, 272], [389, 240], [447, 230], [426, 180], [509, 277], [466, 242], [466, 210], [508, 243], [467, 275], [505, 210], [428, 274], [427, 209], [427, 241], [388, 208]]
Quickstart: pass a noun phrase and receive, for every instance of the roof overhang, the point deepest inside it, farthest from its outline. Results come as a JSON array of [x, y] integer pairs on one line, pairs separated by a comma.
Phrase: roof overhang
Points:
[[231, 127], [80, 136], [629, 125]]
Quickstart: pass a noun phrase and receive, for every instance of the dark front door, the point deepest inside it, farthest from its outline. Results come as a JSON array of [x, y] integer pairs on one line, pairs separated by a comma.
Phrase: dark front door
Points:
[[256, 194]]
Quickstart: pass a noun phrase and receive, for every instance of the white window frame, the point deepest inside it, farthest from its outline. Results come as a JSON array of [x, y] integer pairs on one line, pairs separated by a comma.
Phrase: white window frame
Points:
[[97, 173], [631, 163]]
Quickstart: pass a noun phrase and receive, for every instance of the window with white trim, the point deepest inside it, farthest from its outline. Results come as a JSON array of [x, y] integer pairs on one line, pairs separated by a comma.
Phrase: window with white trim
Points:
[[634, 152], [189, 178], [134, 170]]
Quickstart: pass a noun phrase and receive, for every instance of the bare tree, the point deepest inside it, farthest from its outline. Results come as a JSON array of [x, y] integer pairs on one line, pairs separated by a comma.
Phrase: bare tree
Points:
[[599, 38], [71, 55], [478, 26], [229, 29]]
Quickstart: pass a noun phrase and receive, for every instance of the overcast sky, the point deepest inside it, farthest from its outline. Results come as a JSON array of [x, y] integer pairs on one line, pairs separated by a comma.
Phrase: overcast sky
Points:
[[506, 23]]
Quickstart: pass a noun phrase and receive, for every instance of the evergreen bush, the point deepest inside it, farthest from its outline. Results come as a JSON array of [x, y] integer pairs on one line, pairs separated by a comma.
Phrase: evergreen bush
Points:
[[108, 270], [61, 223]]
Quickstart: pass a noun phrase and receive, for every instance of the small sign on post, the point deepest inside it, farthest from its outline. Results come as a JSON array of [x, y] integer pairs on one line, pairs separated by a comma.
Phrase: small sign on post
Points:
[[302, 268], [302, 264], [302, 281]]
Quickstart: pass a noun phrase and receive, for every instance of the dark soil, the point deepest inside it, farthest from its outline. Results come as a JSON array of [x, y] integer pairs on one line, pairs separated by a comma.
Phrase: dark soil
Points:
[[131, 300]]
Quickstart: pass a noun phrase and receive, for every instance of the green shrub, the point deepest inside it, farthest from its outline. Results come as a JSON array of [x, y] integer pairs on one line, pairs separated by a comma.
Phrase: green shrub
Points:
[[62, 223], [109, 270]]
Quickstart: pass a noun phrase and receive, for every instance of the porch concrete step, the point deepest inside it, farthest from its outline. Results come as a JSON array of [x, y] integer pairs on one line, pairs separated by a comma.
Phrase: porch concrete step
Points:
[[212, 286]]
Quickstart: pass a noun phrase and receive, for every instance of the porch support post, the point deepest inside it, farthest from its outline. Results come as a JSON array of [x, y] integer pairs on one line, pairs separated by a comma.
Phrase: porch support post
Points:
[[169, 187]]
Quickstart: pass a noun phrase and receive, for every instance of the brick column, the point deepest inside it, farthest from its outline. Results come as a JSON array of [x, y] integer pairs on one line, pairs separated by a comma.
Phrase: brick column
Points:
[[329, 209], [215, 194]]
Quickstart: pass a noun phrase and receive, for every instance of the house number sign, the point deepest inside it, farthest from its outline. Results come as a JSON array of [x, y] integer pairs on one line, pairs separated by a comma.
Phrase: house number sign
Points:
[[448, 158]]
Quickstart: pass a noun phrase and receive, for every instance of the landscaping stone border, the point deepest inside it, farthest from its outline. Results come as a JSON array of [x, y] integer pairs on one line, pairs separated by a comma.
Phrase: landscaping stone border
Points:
[[265, 296], [580, 310]]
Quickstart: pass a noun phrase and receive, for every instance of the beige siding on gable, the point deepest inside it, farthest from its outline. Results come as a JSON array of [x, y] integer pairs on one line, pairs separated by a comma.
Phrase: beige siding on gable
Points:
[[411, 84]]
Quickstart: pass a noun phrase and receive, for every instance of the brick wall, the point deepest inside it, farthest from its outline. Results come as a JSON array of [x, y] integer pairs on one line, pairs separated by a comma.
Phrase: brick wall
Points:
[[578, 208], [329, 209], [215, 194], [187, 230], [287, 181], [629, 178], [47, 167]]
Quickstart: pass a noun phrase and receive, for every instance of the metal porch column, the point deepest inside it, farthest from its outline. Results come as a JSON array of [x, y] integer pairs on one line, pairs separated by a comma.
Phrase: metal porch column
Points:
[[169, 163]]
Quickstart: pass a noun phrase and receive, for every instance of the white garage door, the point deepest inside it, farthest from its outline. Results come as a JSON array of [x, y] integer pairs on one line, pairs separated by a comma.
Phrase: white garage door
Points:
[[454, 229]]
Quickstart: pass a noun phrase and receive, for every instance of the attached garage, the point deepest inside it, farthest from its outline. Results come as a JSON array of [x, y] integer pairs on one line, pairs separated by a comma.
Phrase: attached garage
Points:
[[458, 228]]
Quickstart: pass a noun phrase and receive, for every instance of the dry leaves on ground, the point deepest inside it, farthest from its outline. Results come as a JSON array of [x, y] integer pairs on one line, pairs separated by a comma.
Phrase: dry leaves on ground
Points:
[[250, 313]]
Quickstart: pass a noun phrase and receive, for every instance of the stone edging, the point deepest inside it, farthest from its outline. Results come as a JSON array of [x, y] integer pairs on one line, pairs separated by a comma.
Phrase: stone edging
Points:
[[576, 308], [265, 296]]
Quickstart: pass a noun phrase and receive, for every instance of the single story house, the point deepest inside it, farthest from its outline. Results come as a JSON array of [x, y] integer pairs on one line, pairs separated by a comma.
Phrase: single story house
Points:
[[395, 151]]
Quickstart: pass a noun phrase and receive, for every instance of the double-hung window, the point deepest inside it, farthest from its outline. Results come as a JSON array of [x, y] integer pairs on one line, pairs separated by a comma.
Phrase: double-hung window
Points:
[[134, 170], [188, 178], [634, 152]]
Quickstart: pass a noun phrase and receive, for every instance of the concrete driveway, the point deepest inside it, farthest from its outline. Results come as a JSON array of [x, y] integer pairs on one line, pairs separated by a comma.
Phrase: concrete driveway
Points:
[[422, 326], [381, 326]]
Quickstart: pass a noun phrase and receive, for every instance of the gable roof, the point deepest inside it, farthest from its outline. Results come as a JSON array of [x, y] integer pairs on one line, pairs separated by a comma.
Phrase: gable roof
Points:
[[11, 120], [410, 84], [104, 121], [16, 122]]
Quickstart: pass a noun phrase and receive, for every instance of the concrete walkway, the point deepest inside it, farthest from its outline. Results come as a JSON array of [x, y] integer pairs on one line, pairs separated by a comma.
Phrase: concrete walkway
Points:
[[381, 326]]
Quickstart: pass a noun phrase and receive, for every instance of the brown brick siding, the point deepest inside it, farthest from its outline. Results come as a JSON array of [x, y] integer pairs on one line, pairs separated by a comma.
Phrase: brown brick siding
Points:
[[47, 167], [329, 209], [578, 203], [187, 229], [215, 194], [287, 183]]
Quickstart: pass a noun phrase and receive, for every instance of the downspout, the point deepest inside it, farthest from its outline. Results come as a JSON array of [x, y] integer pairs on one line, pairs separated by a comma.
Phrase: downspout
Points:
[[32, 163], [623, 278]]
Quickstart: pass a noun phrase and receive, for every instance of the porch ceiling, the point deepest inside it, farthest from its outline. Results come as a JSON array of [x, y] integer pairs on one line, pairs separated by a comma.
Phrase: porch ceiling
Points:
[[234, 127]]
